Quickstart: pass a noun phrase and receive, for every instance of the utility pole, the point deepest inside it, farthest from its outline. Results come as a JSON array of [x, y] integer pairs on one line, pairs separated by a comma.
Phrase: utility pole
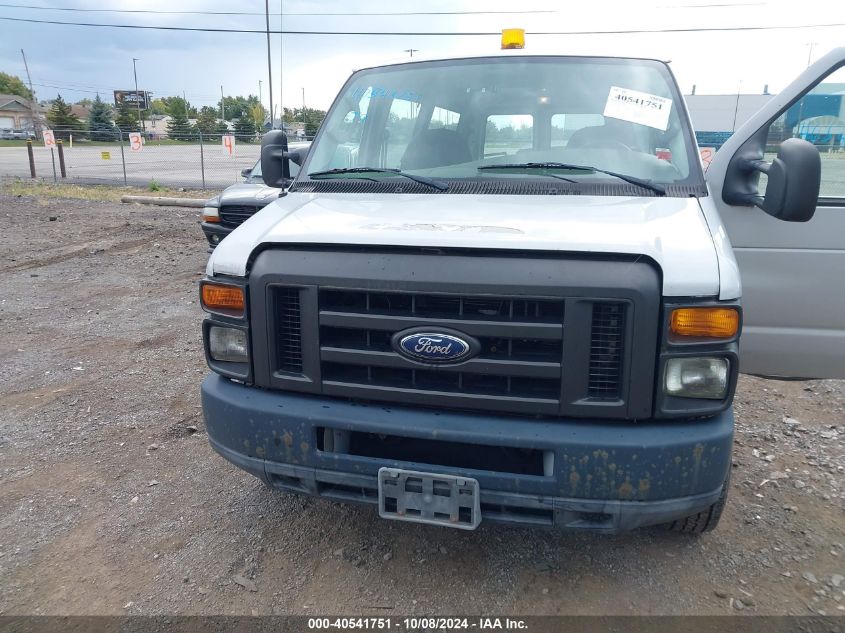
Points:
[[412, 51], [35, 125], [222, 105], [269, 63], [260, 96], [138, 96]]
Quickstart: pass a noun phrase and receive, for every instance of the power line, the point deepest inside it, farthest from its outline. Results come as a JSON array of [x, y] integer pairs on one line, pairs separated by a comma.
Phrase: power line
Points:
[[429, 33], [152, 11]]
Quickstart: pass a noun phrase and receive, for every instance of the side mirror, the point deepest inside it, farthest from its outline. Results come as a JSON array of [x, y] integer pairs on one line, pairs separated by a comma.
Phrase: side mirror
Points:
[[275, 169], [246, 172], [794, 178]]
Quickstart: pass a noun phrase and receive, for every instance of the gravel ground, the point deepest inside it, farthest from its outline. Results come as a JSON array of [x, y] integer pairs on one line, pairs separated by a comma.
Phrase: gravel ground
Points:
[[112, 502]]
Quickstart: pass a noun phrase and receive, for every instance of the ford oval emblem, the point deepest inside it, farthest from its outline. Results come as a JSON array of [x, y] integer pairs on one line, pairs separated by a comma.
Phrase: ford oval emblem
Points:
[[435, 346]]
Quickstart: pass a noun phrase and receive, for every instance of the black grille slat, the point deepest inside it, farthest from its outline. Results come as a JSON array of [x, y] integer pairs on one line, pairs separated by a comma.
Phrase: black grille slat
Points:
[[378, 358], [288, 330], [473, 327], [606, 350], [233, 215], [442, 306]]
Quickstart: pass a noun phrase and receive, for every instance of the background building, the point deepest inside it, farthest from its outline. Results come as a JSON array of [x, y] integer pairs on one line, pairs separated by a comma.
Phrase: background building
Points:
[[819, 117], [16, 112]]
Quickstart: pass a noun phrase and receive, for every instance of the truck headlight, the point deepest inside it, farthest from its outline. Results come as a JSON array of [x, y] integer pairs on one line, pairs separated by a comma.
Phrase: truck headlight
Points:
[[696, 377], [227, 344]]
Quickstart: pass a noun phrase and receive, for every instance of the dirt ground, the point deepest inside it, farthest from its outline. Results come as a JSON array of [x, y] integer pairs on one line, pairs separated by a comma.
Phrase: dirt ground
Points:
[[112, 502]]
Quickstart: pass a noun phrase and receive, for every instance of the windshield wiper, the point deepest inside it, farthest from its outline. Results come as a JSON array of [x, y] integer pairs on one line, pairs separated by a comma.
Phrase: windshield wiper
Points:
[[436, 184], [640, 182]]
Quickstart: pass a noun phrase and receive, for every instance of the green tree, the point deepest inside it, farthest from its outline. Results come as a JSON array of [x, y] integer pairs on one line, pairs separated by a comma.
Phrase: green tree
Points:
[[157, 106], [61, 119], [100, 123], [178, 127], [86, 102], [313, 118], [259, 115], [207, 124], [245, 129], [12, 85], [126, 118], [169, 105], [238, 107]]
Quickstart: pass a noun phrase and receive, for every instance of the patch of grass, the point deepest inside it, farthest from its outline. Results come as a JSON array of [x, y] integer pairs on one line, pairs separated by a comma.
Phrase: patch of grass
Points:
[[105, 193], [7, 142], [154, 186]]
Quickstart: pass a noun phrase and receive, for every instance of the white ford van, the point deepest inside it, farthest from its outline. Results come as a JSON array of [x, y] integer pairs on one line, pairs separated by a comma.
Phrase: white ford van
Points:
[[503, 289]]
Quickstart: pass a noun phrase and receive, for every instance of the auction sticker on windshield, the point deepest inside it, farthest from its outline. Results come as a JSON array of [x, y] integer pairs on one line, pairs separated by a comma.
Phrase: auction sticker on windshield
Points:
[[638, 107]]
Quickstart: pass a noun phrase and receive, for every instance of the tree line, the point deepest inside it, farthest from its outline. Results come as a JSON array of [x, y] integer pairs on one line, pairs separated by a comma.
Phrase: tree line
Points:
[[186, 121], [107, 122]]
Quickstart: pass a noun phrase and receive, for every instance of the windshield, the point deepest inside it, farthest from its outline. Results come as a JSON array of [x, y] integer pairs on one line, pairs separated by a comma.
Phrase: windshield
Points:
[[447, 119]]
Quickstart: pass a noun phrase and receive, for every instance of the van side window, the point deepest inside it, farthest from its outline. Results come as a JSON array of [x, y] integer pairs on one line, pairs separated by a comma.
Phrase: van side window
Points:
[[506, 134], [443, 118], [564, 125], [401, 120], [818, 117]]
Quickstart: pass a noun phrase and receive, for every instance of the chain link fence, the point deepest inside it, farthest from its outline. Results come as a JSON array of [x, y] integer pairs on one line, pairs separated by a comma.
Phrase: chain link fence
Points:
[[196, 162]]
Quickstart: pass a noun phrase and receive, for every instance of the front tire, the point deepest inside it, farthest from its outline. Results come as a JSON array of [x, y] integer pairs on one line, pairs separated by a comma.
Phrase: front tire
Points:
[[705, 520]]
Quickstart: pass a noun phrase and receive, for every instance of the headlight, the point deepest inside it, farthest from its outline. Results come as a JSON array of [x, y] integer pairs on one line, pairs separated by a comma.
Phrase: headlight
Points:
[[211, 214], [227, 344], [696, 378]]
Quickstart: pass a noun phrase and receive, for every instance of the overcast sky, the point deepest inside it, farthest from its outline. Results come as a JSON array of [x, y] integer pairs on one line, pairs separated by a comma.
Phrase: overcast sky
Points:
[[79, 61]]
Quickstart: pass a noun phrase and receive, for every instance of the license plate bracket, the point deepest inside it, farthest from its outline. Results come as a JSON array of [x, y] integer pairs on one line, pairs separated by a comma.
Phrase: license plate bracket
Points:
[[419, 497]]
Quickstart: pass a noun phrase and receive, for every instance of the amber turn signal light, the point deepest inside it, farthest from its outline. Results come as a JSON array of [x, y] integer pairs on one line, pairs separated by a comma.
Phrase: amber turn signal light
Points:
[[223, 298], [705, 322], [211, 214]]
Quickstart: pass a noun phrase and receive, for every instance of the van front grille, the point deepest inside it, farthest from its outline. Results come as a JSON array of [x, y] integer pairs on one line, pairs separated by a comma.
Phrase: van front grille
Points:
[[550, 336], [518, 366]]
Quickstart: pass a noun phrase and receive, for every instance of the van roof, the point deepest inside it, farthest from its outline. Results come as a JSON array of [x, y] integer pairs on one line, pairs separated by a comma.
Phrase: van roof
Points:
[[511, 57]]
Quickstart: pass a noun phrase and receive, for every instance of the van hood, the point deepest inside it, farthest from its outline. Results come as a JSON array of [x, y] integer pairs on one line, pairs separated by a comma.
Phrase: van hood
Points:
[[671, 231]]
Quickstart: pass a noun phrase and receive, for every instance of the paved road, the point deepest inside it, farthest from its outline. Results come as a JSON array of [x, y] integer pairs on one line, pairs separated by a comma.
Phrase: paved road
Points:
[[170, 165]]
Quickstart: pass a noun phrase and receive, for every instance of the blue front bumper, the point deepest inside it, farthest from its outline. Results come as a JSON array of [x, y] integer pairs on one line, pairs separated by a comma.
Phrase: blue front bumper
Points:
[[600, 475]]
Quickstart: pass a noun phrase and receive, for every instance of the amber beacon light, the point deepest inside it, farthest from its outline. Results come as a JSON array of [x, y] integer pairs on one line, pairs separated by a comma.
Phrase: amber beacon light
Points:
[[710, 322], [513, 38]]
